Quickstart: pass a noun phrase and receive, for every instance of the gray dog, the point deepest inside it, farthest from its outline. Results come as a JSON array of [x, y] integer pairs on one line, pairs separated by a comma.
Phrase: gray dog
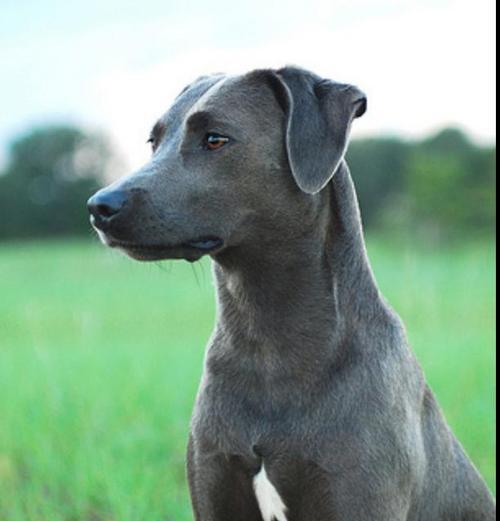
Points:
[[312, 406]]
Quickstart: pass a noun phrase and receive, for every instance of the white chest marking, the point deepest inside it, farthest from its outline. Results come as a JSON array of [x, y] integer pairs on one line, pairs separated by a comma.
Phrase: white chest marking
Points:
[[271, 505]]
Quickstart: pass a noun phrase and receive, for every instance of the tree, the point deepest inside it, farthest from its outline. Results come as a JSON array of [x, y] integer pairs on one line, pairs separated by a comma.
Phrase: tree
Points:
[[442, 185], [50, 175], [452, 184]]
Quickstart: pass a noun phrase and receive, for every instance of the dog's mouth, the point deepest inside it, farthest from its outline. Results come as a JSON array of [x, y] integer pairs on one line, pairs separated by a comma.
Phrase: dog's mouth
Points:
[[191, 250]]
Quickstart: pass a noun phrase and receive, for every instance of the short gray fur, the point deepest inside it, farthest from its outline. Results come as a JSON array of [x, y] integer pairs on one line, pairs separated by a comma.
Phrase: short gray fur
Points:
[[308, 368]]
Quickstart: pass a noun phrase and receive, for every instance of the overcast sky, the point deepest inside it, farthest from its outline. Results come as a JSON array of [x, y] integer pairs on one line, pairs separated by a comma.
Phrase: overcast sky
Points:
[[117, 64]]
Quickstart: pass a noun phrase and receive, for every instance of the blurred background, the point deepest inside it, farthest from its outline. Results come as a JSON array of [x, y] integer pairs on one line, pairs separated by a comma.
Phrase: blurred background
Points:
[[100, 357]]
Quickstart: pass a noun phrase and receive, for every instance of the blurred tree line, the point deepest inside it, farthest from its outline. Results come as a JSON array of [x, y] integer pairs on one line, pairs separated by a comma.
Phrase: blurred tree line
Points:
[[51, 173], [440, 186]]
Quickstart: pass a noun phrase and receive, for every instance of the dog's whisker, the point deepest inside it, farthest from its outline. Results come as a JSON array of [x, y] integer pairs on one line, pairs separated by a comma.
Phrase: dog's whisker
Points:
[[193, 267]]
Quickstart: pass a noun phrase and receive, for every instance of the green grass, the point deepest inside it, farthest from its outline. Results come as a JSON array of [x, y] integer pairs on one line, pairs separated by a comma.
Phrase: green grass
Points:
[[100, 360]]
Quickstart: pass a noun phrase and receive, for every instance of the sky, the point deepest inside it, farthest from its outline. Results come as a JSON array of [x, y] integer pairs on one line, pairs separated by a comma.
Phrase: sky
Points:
[[117, 65]]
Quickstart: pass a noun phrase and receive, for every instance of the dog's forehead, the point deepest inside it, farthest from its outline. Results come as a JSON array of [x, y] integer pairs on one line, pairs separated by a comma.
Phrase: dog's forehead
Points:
[[218, 94], [189, 96], [246, 93]]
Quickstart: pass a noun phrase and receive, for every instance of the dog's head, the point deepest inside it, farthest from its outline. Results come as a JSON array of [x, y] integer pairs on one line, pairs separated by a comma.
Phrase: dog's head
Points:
[[234, 157]]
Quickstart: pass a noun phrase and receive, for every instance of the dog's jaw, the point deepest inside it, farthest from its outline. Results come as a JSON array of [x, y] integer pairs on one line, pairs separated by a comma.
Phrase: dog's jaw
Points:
[[191, 250]]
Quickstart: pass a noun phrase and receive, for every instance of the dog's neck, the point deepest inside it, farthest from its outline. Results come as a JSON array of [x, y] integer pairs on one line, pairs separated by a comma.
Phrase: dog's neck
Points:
[[309, 293]]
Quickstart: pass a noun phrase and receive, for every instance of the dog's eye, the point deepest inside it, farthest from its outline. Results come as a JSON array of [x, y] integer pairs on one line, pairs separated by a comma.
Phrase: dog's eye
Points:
[[215, 141]]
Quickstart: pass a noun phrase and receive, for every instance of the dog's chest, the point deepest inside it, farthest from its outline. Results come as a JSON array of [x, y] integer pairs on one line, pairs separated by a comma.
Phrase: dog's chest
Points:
[[233, 424], [236, 415]]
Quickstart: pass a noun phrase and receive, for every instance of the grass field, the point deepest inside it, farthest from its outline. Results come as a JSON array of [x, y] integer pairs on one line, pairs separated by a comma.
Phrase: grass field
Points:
[[100, 359]]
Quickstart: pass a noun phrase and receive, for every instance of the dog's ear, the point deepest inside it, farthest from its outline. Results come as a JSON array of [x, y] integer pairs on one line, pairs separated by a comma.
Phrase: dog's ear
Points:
[[319, 116]]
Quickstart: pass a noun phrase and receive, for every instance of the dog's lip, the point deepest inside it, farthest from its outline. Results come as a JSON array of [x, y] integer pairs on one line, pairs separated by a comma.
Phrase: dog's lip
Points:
[[205, 243], [98, 224], [200, 245]]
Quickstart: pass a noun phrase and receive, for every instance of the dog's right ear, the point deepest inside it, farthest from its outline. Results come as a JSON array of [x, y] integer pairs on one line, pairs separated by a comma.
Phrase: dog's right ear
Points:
[[319, 116]]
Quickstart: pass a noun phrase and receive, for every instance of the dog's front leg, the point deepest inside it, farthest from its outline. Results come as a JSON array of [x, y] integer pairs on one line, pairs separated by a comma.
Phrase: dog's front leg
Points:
[[380, 513], [221, 487], [362, 504]]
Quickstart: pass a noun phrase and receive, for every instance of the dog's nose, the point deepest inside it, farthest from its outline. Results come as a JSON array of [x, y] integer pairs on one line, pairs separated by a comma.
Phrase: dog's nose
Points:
[[106, 204]]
